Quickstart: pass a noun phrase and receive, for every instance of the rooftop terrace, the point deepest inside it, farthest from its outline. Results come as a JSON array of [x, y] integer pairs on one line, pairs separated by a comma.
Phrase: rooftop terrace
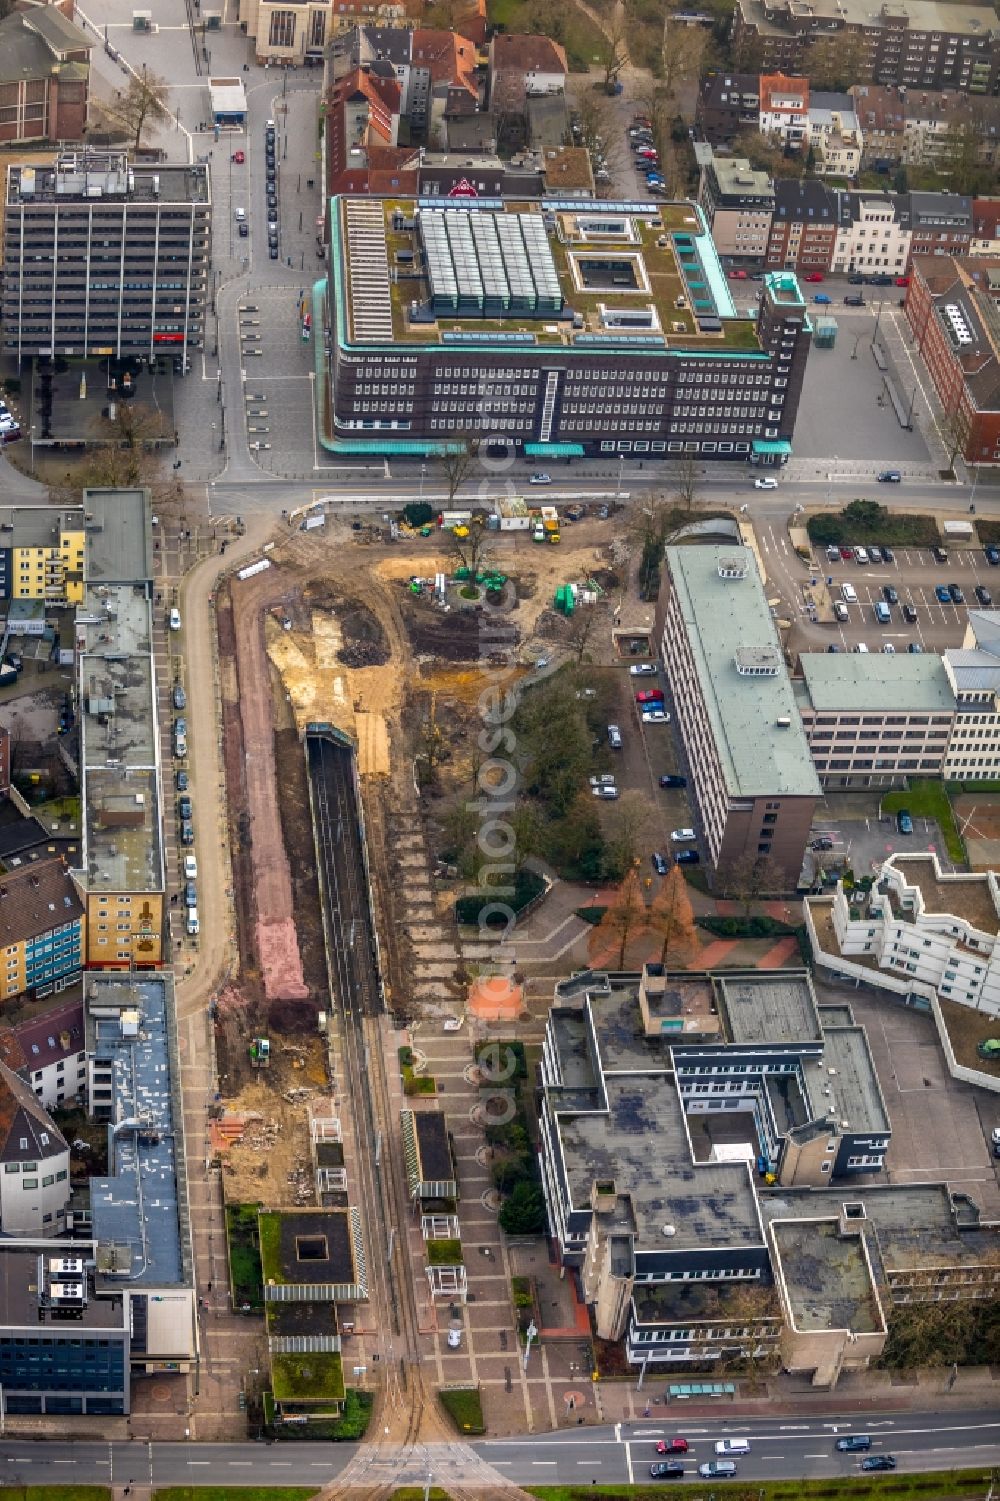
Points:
[[965, 896], [466, 274]]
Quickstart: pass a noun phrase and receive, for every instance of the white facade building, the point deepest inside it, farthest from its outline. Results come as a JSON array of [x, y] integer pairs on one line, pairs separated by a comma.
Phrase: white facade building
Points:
[[835, 138], [34, 1163], [974, 671], [870, 239], [929, 933]]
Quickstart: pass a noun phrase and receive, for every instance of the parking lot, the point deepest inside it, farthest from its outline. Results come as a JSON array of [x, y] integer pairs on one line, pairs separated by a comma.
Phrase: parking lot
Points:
[[915, 576]]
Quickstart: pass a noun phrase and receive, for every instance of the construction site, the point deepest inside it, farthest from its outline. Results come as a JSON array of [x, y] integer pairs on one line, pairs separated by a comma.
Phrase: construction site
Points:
[[379, 633]]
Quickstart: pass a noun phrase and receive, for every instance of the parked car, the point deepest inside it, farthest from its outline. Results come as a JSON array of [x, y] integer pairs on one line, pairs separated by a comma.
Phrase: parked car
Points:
[[888, 556], [823, 843], [904, 823], [179, 696], [840, 610], [939, 554], [942, 593], [983, 595], [822, 299], [956, 595], [190, 894], [649, 696], [765, 482], [644, 669], [682, 836], [889, 594], [846, 553], [239, 157], [655, 715], [814, 276], [184, 806], [614, 737], [606, 790], [190, 867], [187, 832], [889, 477], [606, 779], [687, 857], [174, 618], [244, 230], [855, 279], [181, 781], [672, 781], [902, 281], [914, 649], [540, 479], [992, 554], [272, 251], [910, 613], [874, 553], [659, 863]]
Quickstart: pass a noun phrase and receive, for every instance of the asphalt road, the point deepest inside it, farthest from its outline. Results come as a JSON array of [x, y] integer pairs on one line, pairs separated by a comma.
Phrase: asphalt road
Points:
[[614, 1455]]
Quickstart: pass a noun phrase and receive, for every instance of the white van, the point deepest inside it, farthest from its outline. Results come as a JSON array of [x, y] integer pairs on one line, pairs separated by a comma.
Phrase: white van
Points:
[[192, 925], [731, 1446], [849, 594]]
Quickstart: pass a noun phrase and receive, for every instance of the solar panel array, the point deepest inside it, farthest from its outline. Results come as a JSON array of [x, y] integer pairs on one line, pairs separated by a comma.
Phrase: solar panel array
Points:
[[486, 264]]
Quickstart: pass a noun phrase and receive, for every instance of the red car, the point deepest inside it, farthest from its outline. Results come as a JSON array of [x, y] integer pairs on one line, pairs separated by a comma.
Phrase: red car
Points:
[[815, 276], [672, 1446], [847, 553], [737, 276], [649, 696], [239, 157], [902, 281]]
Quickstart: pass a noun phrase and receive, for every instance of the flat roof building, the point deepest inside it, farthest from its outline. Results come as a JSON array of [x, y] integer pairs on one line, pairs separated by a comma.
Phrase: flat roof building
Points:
[[105, 257], [875, 720], [41, 553], [514, 321], [42, 929], [122, 874], [752, 774]]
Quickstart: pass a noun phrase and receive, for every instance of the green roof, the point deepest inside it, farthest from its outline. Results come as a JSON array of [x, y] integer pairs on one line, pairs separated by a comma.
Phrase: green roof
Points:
[[309, 1376], [902, 683], [759, 754]]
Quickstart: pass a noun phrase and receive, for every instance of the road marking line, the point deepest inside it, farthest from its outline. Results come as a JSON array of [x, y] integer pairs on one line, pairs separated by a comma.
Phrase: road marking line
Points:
[[805, 1456], [64, 1461], [547, 1461], [628, 1461], [199, 1461]]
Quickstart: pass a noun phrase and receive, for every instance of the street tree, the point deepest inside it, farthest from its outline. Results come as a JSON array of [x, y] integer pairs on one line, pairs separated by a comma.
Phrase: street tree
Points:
[[126, 459], [954, 425], [626, 820], [457, 461], [684, 478], [143, 103], [613, 51], [625, 916], [671, 918], [524, 1212], [750, 877], [471, 544]]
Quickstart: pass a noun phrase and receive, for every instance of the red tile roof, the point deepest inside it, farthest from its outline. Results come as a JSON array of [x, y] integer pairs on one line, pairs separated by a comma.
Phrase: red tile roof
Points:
[[34, 900]]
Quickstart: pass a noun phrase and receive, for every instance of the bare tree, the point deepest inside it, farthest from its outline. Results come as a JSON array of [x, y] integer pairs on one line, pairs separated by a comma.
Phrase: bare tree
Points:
[[613, 51], [955, 428], [684, 475], [627, 820], [581, 629], [471, 544], [143, 103], [749, 877], [126, 458], [457, 461]]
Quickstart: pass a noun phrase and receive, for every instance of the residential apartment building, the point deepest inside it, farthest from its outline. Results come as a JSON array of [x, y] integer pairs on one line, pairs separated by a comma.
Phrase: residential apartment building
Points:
[[784, 110], [973, 670], [749, 766], [924, 934], [873, 234], [916, 43], [48, 1053], [875, 721], [291, 31], [41, 554], [668, 1225], [424, 64], [122, 874], [567, 332], [803, 227], [728, 103], [835, 137], [940, 223], [936, 122], [34, 1163], [737, 202], [881, 113], [985, 227], [44, 77], [42, 930], [951, 308], [105, 257]]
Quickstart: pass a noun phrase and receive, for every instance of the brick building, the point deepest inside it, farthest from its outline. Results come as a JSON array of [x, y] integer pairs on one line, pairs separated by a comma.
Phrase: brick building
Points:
[[727, 104], [803, 226], [951, 306], [44, 77], [737, 202]]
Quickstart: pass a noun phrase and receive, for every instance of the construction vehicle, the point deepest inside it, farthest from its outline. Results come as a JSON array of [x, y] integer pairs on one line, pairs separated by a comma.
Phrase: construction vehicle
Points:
[[260, 1052]]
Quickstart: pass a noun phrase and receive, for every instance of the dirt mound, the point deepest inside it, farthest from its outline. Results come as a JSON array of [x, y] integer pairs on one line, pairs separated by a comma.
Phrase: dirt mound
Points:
[[453, 637], [291, 1018], [607, 578], [364, 639]]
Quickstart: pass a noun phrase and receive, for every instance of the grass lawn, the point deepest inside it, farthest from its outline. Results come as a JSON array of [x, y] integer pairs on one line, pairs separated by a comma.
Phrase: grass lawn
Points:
[[967, 1028], [896, 528], [246, 1276], [926, 797], [443, 1252], [227, 1492], [576, 32], [315, 1376], [464, 1406], [944, 1485], [57, 1492]]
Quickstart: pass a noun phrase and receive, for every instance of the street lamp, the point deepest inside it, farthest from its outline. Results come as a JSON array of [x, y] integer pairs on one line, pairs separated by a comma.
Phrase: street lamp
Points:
[[530, 1333], [621, 470]]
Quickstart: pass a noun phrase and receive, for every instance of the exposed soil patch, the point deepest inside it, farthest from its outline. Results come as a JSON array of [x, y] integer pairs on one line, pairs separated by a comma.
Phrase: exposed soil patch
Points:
[[453, 637], [364, 639], [296, 832]]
